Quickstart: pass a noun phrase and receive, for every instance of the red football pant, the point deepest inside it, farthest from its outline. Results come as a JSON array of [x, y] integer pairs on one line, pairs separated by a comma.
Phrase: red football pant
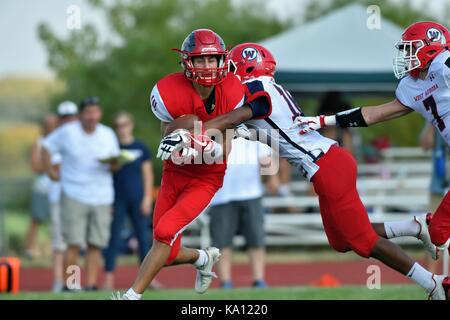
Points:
[[439, 227], [344, 216], [180, 201]]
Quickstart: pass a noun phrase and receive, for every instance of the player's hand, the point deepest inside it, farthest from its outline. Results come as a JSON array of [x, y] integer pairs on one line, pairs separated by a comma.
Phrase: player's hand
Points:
[[188, 153], [241, 131], [174, 141], [184, 155], [308, 124]]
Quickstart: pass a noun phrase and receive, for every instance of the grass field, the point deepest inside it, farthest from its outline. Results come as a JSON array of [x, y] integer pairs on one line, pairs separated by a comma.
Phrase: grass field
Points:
[[387, 292]]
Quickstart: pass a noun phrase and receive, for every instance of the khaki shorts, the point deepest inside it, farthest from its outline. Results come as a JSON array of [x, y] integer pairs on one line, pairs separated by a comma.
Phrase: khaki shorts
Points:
[[85, 224]]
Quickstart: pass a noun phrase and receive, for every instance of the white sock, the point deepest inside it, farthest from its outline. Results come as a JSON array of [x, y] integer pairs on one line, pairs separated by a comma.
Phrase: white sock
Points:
[[132, 295], [422, 277], [202, 259], [396, 229]]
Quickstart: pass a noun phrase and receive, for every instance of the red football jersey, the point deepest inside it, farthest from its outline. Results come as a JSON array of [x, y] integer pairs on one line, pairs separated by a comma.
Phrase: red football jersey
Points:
[[174, 96]]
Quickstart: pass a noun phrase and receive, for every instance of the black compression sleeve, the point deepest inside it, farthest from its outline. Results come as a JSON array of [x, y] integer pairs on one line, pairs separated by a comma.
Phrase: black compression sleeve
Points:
[[260, 107], [351, 118]]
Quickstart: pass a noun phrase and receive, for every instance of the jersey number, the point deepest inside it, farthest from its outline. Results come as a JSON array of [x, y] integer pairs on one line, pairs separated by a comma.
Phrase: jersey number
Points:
[[430, 104], [293, 106]]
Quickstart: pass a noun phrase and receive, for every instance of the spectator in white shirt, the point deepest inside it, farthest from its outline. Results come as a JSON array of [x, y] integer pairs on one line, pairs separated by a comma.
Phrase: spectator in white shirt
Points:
[[88, 149], [237, 206], [67, 111]]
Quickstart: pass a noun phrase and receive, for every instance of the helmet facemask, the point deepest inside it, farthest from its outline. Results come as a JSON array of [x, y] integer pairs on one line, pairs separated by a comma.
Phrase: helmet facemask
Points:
[[406, 59], [235, 68], [207, 76]]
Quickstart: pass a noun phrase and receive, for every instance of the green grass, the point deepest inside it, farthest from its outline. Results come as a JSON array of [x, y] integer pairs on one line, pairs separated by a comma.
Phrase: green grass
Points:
[[387, 292]]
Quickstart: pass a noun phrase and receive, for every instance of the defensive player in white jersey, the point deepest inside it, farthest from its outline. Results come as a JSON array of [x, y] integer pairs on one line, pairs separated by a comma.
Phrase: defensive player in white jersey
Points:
[[330, 168], [423, 65]]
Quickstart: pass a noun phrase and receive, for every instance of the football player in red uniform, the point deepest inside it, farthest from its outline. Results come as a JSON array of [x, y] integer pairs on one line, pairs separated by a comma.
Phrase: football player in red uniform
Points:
[[423, 65], [330, 168], [204, 89]]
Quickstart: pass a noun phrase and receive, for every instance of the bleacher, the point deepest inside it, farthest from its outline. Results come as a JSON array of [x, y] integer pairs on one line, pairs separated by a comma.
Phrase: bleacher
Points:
[[395, 188]]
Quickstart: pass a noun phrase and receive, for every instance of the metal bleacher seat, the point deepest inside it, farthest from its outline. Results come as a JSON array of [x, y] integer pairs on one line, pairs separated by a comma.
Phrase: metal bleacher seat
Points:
[[396, 188]]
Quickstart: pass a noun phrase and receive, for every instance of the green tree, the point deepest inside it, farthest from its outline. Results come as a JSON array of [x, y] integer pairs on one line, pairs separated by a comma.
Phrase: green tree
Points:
[[123, 71]]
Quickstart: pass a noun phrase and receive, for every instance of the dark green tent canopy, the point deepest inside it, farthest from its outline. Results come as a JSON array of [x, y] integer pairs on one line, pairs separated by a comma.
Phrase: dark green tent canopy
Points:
[[337, 52]]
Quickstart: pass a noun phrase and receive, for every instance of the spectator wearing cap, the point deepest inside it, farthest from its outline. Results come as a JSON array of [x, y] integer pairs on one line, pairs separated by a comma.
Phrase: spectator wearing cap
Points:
[[88, 149], [133, 186], [67, 112]]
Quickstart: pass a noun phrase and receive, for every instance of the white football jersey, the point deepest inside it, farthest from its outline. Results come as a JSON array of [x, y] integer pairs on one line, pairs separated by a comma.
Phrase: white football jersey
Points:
[[300, 150], [431, 96]]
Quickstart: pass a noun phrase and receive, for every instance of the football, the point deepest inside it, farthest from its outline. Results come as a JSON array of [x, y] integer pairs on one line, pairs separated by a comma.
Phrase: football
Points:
[[183, 122]]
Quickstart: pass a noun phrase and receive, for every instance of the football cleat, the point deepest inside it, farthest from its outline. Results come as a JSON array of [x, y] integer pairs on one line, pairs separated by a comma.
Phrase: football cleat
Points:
[[424, 235], [441, 290], [204, 275], [446, 286], [118, 296]]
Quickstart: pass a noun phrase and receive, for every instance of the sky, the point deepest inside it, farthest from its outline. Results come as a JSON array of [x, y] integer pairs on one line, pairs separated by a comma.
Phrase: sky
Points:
[[22, 54]]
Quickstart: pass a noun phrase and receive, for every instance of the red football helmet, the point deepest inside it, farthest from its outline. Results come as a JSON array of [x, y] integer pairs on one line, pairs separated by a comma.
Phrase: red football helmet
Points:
[[204, 42], [251, 60], [421, 42]]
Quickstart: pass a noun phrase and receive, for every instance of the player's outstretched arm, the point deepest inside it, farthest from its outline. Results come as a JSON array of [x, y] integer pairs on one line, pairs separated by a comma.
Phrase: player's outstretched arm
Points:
[[357, 117], [229, 120], [384, 112]]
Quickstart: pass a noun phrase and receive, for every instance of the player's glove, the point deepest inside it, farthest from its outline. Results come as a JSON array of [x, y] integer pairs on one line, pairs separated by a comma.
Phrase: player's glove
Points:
[[175, 141], [308, 124], [183, 155], [209, 147], [241, 131]]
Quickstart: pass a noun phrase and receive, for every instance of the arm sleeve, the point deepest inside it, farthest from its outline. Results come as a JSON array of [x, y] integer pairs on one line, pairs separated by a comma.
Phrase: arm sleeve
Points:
[[258, 99], [158, 107]]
